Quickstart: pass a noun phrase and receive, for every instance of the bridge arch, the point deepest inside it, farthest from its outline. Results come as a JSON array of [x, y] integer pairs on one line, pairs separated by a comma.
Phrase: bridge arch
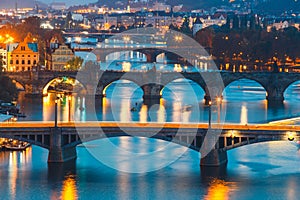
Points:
[[170, 57], [41, 141], [253, 142], [134, 55], [292, 91], [70, 80], [128, 82], [182, 140], [19, 85], [245, 87], [181, 85]]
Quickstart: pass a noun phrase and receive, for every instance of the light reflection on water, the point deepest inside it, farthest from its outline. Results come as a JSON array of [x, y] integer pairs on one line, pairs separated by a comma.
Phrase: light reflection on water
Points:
[[182, 102], [259, 171]]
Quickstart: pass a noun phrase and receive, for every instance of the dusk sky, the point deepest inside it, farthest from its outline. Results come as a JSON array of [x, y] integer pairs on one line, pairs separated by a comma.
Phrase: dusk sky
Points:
[[69, 2]]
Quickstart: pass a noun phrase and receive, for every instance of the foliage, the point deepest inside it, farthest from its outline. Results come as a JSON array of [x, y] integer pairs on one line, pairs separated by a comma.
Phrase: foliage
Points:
[[185, 26], [8, 90], [251, 44], [1, 63], [74, 64]]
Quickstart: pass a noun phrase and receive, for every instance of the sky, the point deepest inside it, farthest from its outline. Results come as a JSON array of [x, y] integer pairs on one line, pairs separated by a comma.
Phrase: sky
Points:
[[69, 2]]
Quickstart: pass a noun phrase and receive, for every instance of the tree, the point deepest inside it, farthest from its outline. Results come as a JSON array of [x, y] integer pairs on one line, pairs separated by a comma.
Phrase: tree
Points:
[[74, 64], [8, 90], [185, 27], [1, 63]]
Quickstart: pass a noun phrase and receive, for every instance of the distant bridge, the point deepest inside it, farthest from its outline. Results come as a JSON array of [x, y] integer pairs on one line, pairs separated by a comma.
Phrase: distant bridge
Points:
[[152, 82], [62, 141]]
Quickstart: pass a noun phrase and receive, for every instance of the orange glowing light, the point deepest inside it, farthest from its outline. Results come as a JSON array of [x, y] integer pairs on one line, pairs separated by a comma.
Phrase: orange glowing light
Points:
[[69, 189], [218, 190]]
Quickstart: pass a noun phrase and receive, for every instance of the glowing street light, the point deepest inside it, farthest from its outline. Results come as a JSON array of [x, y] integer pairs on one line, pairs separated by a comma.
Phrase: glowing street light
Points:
[[57, 98], [291, 135], [126, 38], [209, 114], [178, 38]]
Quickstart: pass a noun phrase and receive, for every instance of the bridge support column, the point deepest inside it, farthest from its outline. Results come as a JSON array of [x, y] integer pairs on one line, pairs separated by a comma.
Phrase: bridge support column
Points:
[[150, 58], [32, 90], [100, 57], [94, 91], [216, 157], [151, 91], [58, 153], [275, 95]]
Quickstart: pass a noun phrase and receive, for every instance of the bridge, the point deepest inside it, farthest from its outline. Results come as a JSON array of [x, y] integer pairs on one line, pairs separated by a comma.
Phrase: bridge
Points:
[[152, 82], [61, 141]]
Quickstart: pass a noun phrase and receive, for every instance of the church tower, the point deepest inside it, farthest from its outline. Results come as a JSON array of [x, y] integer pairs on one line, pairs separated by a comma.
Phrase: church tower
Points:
[[198, 25]]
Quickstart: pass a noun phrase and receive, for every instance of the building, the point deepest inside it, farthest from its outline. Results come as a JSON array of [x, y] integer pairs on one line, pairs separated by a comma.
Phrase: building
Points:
[[3, 58], [197, 26], [127, 20], [58, 56], [23, 56], [278, 26], [221, 20], [158, 6], [58, 6], [159, 21], [104, 22]]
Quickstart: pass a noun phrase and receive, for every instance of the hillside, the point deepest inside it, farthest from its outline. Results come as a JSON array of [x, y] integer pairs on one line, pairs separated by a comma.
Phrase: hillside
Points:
[[261, 5], [278, 6]]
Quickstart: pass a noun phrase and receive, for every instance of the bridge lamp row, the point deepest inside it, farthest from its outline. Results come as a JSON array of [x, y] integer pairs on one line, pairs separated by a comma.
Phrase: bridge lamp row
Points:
[[233, 133], [291, 135]]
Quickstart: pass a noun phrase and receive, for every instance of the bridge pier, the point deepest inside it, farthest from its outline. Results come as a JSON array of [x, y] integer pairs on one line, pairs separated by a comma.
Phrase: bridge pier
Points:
[[58, 153], [151, 91], [93, 91], [33, 91], [217, 157], [150, 58], [275, 96]]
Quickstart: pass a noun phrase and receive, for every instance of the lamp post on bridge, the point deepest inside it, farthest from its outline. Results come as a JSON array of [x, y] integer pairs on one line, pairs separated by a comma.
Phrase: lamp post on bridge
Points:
[[209, 114], [55, 111]]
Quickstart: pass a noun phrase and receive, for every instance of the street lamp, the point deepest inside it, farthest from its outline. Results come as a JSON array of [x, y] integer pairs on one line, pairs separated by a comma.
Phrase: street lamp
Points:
[[209, 114], [69, 105], [57, 98], [55, 111]]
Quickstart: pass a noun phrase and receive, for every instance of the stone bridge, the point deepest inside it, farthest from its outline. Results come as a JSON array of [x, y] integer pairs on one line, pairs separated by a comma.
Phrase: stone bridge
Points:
[[212, 142], [152, 82]]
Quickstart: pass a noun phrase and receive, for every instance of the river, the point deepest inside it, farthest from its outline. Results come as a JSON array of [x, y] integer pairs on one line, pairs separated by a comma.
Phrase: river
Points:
[[259, 171]]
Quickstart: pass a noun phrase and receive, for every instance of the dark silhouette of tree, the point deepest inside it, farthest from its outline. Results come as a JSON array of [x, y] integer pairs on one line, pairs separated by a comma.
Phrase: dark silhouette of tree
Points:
[[205, 37], [185, 27], [8, 90], [74, 64], [251, 46], [172, 27]]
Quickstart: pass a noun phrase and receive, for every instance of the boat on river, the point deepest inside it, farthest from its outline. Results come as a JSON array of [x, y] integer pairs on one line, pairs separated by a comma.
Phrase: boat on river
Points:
[[10, 108], [13, 145]]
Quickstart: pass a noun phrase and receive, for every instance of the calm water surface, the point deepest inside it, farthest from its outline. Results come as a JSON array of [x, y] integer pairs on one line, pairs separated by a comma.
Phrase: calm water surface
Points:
[[260, 171]]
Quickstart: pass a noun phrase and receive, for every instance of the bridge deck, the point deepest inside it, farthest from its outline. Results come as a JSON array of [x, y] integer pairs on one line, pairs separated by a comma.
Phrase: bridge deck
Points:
[[259, 127]]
